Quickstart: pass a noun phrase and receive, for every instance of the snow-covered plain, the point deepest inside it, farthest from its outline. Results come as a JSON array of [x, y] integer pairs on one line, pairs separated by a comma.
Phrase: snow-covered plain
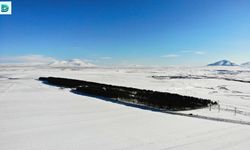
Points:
[[36, 116]]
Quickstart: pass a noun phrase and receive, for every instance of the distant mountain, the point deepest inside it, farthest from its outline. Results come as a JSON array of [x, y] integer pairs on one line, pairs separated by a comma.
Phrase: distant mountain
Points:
[[247, 64], [71, 63], [223, 63]]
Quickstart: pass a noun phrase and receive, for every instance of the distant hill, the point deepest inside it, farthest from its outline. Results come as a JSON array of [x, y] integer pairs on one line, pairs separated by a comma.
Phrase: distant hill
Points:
[[71, 63], [247, 64], [223, 63]]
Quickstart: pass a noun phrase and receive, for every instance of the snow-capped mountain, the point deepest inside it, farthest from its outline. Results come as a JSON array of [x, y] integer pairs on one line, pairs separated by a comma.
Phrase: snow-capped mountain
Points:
[[71, 63], [247, 64], [223, 63]]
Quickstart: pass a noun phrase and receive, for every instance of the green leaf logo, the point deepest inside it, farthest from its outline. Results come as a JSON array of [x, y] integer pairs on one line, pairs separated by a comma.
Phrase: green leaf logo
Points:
[[4, 8]]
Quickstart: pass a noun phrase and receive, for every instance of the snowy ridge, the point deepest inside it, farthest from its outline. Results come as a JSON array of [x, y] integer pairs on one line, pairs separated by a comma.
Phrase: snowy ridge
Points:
[[223, 63], [247, 64], [71, 63]]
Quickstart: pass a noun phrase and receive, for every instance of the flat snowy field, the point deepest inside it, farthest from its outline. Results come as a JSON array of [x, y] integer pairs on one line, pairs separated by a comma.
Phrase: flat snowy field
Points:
[[36, 116]]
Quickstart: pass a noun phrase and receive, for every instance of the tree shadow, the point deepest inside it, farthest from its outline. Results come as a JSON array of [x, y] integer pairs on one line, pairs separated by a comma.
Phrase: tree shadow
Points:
[[116, 101]]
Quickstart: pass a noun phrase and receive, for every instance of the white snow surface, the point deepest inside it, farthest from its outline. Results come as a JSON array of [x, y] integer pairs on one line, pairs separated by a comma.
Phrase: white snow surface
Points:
[[36, 116]]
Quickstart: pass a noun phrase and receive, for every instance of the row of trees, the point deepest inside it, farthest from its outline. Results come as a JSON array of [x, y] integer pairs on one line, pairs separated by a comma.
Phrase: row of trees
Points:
[[160, 100]]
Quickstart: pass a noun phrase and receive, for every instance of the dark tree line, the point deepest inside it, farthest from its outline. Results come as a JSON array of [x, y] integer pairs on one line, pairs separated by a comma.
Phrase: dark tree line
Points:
[[160, 100]]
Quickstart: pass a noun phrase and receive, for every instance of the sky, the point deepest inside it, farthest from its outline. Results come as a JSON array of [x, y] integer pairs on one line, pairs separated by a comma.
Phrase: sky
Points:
[[127, 32]]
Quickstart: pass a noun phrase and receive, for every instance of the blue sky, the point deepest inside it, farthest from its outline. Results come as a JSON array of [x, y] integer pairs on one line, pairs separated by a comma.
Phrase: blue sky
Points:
[[146, 32]]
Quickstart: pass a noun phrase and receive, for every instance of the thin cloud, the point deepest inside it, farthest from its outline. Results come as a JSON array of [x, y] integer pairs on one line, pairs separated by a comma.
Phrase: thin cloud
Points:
[[38, 59], [199, 53], [193, 52], [106, 58], [170, 56]]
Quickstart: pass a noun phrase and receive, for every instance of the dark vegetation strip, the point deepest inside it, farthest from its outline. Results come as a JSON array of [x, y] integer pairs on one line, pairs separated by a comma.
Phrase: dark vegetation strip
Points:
[[198, 77], [154, 99]]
